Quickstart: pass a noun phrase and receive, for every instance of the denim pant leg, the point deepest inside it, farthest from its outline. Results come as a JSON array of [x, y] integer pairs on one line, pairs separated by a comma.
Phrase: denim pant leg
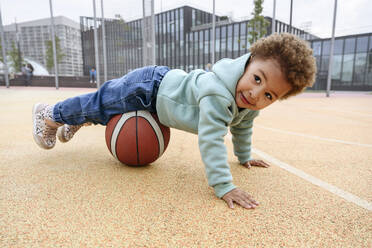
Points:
[[135, 91]]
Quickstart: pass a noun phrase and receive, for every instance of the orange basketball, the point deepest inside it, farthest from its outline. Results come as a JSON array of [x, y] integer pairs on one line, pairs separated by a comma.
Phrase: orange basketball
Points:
[[136, 138]]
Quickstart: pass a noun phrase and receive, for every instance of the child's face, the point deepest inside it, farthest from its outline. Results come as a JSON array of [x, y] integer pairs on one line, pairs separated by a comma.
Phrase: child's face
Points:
[[261, 84]]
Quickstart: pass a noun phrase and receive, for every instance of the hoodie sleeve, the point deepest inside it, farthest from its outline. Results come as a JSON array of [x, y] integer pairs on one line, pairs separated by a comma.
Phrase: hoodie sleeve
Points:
[[242, 137], [213, 121]]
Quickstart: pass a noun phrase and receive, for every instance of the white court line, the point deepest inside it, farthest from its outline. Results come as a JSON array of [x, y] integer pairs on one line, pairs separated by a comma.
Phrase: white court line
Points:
[[314, 137], [329, 187], [346, 111]]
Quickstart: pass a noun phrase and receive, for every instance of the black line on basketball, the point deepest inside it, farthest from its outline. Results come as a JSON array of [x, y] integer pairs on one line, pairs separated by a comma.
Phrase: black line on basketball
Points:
[[138, 160], [157, 138]]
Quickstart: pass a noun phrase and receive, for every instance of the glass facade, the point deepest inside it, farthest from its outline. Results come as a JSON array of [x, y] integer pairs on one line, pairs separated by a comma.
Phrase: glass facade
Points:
[[183, 40], [351, 66], [231, 41]]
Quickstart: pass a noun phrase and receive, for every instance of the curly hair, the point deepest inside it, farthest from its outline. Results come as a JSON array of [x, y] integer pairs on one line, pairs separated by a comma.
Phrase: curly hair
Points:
[[294, 56]]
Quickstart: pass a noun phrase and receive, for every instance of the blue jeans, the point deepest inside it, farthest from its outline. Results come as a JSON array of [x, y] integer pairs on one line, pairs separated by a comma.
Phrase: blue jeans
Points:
[[135, 91]]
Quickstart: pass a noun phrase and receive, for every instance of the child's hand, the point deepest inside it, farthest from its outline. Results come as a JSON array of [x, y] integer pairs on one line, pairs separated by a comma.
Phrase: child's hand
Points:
[[259, 163], [240, 197]]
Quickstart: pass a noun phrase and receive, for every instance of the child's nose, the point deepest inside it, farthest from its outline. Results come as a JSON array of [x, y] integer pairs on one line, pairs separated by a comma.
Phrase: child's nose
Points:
[[255, 93]]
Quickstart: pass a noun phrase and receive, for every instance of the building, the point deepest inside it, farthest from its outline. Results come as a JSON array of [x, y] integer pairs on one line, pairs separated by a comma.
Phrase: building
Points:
[[183, 40], [33, 36], [231, 41], [352, 62], [124, 40]]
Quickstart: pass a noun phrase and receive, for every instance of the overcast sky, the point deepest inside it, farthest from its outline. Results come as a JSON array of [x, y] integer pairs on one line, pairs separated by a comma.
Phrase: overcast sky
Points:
[[353, 16]]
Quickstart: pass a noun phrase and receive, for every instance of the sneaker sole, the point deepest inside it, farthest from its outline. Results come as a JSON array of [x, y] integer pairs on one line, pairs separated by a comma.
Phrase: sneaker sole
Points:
[[37, 137], [60, 135]]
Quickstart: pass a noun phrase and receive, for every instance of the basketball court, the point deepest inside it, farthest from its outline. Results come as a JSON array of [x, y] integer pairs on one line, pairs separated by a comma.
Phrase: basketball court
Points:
[[317, 192]]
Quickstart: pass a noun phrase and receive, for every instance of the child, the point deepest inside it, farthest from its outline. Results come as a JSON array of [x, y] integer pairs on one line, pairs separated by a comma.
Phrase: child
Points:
[[200, 102]]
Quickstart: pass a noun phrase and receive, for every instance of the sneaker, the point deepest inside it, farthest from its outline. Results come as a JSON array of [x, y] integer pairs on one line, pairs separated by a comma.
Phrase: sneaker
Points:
[[66, 132], [44, 128]]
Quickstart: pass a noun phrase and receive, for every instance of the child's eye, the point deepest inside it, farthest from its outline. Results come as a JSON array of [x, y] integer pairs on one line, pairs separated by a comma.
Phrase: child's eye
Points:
[[257, 79], [269, 96]]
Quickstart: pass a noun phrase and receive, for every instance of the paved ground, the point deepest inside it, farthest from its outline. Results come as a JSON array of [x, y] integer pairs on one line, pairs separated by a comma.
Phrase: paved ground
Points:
[[317, 193]]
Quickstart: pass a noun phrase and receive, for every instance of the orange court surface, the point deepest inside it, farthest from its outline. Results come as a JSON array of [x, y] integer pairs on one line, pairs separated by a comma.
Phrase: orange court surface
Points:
[[317, 192]]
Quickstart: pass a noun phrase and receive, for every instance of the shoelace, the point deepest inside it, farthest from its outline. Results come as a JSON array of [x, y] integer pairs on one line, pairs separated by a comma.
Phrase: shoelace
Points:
[[49, 131]]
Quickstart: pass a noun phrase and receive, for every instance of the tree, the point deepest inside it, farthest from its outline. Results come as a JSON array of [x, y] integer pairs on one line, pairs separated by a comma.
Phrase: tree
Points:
[[15, 58], [257, 26], [49, 53]]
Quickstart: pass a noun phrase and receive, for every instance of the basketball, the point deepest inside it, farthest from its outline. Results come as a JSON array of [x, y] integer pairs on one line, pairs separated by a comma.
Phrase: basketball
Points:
[[136, 138]]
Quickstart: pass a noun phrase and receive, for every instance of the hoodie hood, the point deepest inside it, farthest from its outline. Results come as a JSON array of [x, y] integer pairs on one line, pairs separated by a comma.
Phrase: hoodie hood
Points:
[[229, 71]]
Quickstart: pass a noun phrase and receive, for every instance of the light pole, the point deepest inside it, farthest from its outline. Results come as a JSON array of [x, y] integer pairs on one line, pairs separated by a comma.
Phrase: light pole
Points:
[[213, 32], [54, 45], [273, 24], [96, 43], [290, 18], [3, 51], [104, 44], [148, 33], [329, 78]]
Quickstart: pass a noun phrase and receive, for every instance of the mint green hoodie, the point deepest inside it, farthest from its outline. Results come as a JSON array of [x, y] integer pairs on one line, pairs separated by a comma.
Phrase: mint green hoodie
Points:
[[203, 103]]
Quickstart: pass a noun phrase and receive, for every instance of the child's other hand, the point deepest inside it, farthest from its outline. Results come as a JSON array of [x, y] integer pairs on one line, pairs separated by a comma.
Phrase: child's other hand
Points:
[[259, 163], [240, 197]]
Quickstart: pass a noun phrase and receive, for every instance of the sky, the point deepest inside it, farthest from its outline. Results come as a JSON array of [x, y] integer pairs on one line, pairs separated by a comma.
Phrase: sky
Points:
[[353, 16]]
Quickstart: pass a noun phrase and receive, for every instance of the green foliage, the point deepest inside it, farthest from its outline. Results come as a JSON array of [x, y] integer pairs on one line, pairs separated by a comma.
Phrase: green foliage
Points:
[[15, 58], [49, 53], [257, 26]]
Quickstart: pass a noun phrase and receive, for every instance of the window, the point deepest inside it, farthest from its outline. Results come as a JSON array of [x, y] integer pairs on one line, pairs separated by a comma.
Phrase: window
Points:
[[339, 46], [206, 41], [229, 40], [347, 68], [359, 68], [349, 45], [196, 47], [201, 42], [243, 27], [223, 41], [164, 23], [193, 17], [362, 44], [317, 48], [236, 41], [242, 40], [217, 33], [223, 32], [230, 30], [326, 47], [336, 67], [325, 63], [369, 66]]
